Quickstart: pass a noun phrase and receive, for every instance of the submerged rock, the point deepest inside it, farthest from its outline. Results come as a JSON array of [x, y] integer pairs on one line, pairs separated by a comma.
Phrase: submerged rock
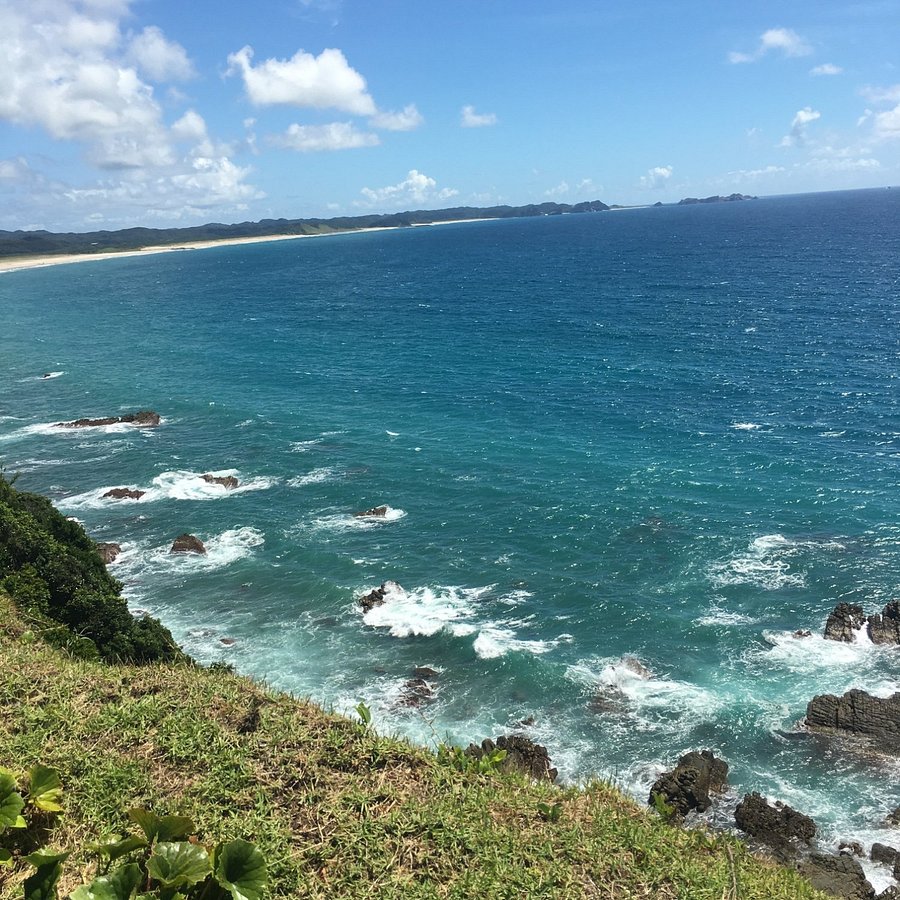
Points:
[[377, 511], [227, 481], [522, 755], [416, 692], [123, 493], [844, 622], [840, 876], [376, 597], [779, 827], [188, 543], [884, 627], [858, 714], [108, 552], [687, 787], [146, 418]]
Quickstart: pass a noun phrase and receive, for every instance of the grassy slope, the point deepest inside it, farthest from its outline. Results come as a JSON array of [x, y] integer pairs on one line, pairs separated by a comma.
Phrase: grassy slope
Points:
[[339, 812]]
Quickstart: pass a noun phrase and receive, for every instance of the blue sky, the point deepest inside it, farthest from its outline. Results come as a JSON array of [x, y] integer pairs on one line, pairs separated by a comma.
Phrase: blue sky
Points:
[[116, 113]]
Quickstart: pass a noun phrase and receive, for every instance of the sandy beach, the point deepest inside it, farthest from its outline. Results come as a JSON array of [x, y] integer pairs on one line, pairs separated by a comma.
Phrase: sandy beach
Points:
[[18, 263]]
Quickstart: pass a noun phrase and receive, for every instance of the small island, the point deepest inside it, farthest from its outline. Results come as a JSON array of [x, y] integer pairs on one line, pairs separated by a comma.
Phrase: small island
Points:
[[688, 201]]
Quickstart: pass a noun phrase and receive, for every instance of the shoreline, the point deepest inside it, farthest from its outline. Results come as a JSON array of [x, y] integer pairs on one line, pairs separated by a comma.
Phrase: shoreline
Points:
[[41, 261]]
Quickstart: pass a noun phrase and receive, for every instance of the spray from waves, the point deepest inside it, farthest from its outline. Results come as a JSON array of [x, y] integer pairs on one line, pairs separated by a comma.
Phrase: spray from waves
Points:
[[45, 377], [57, 429], [348, 521], [765, 564], [497, 639], [176, 485], [746, 426], [304, 446], [426, 611], [221, 550], [316, 476], [717, 617]]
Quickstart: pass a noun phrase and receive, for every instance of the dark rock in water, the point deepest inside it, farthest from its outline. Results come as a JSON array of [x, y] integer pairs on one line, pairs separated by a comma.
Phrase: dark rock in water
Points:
[[108, 552], [687, 787], [227, 481], [840, 876], [187, 543], [881, 853], [146, 418], [416, 691], [47, 375], [377, 511], [884, 628], [123, 493], [227, 642], [609, 700], [425, 672], [858, 714], [376, 597], [522, 755], [778, 826], [854, 848], [843, 623], [802, 633], [889, 893], [893, 818]]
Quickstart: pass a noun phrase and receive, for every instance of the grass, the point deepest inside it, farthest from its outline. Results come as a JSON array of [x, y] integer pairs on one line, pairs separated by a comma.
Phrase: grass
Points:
[[338, 810]]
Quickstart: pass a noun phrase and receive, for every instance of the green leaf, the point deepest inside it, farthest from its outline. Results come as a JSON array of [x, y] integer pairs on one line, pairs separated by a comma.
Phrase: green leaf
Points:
[[161, 828], [42, 884], [11, 802], [6, 858], [42, 858], [179, 864], [116, 849], [121, 885], [45, 788], [241, 870], [364, 713]]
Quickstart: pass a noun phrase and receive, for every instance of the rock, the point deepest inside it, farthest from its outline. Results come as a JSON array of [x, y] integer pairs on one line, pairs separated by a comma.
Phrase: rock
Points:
[[840, 876], [376, 597], [227, 481], [636, 667], [889, 893], [893, 818], [688, 785], [884, 628], [187, 543], [608, 700], [522, 755], [802, 633], [778, 826], [123, 493], [146, 418], [854, 848], [108, 552], [377, 511], [227, 642], [858, 714], [843, 623], [881, 853], [416, 691], [425, 672]]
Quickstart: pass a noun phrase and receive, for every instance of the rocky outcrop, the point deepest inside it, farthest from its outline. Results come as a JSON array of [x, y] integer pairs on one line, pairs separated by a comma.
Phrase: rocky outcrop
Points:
[[882, 853], [522, 755], [884, 627], [376, 597], [416, 692], [687, 787], [840, 876], [378, 512], [845, 620], [858, 714], [227, 481], [779, 827], [188, 543], [146, 418], [123, 493], [108, 552]]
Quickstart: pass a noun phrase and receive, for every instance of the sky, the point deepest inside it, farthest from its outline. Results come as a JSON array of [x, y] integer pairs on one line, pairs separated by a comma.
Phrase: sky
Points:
[[162, 113]]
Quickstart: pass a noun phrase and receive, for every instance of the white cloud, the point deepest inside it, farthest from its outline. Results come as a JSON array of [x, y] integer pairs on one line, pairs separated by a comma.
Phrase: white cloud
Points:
[[159, 58], [797, 135], [656, 177], [889, 94], [417, 187], [559, 191], [887, 123], [782, 40], [333, 136], [190, 127], [753, 174], [407, 119], [326, 81], [468, 118], [826, 69]]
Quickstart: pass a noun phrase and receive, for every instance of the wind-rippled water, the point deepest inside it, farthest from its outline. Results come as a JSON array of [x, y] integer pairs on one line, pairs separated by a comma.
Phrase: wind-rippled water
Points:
[[670, 434]]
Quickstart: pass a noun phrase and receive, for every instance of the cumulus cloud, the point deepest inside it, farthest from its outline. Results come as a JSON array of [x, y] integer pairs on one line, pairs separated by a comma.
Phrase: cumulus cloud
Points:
[[797, 135], [890, 94], [333, 136], [407, 119], [326, 81], [159, 58], [417, 188], [754, 174], [826, 69], [885, 122], [656, 177], [780, 40], [468, 118], [583, 188]]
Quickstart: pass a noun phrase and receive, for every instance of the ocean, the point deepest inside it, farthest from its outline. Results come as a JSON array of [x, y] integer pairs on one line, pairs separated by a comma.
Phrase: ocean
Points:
[[666, 435]]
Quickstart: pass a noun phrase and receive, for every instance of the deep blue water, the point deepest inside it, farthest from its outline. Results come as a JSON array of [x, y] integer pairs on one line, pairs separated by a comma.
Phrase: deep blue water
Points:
[[663, 433]]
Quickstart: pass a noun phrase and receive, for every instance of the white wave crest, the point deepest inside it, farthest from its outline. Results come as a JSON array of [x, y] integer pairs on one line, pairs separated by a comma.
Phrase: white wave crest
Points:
[[745, 426], [316, 476], [304, 446], [495, 640], [221, 550], [345, 521], [765, 563], [425, 611]]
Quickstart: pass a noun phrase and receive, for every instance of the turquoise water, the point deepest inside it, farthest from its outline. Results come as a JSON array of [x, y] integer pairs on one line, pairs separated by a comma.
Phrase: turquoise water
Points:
[[663, 433]]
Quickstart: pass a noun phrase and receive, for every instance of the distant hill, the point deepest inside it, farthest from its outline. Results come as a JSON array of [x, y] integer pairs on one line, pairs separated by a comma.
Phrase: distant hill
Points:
[[25, 243], [687, 201]]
